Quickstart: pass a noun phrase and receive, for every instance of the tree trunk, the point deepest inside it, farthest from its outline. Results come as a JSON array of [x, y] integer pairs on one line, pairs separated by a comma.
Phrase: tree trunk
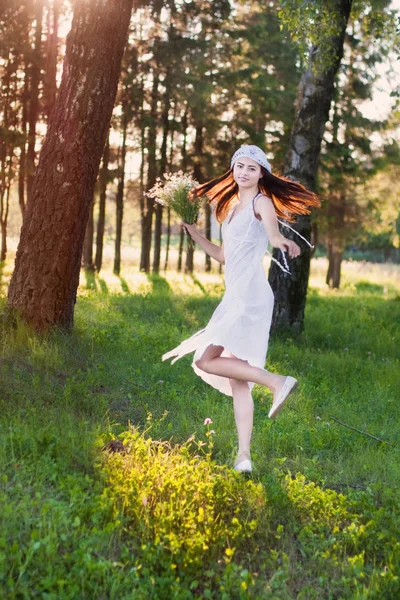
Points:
[[46, 276], [34, 97], [163, 168], [5, 207], [184, 167], [7, 147], [314, 97], [335, 257], [22, 156], [180, 249], [50, 88], [198, 153], [208, 234], [88, 241], [168, 240], [147, 220], [120, 199], [103, 180], [171, 161]]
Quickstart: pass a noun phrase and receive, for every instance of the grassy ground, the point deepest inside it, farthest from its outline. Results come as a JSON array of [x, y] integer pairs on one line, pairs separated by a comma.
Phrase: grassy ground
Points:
[[164, 516]]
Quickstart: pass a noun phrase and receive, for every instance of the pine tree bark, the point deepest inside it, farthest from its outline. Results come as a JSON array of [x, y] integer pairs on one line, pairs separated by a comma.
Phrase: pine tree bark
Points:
[[103, 181], [314, 98], [45, 280]]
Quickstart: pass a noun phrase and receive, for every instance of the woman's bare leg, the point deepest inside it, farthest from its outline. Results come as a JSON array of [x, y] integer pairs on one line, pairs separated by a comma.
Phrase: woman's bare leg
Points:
[[234, 368], [243, 408]]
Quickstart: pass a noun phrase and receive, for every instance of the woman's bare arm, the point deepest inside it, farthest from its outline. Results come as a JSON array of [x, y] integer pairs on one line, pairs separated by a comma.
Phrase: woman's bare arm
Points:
[[266, 210], [216, 252]]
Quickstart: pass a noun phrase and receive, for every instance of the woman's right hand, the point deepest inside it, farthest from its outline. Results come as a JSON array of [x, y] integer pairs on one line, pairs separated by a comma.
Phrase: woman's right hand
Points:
[[191, 229]]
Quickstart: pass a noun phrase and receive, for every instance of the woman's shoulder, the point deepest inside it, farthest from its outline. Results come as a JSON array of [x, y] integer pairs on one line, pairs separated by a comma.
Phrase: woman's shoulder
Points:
[[259, 200], [262, 196]]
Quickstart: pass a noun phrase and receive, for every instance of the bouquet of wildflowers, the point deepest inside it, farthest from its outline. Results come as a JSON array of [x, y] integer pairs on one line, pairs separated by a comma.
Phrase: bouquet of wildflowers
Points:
[[174, 193]]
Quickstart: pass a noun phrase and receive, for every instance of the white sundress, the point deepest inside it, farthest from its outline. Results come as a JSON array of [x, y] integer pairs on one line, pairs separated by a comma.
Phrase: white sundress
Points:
[[242, 321]]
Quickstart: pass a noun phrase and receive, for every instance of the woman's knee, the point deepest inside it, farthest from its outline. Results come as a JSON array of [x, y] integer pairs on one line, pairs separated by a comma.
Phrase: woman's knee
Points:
[[202, 364]]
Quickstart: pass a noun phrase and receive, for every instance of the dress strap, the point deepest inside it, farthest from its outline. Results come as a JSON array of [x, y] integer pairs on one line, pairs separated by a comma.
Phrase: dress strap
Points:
[[253, 203]]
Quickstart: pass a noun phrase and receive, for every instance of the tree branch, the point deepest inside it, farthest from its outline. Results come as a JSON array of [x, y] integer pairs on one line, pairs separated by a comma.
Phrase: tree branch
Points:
[[362, 432]]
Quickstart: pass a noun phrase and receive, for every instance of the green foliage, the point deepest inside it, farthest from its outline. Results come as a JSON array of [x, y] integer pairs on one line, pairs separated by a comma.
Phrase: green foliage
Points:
[[163, 516], [318, 23]]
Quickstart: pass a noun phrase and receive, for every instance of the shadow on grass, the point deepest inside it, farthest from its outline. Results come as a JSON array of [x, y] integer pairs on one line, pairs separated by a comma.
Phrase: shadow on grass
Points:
[[91, 283], [103, 286], [159, 284], [365, 287], [124, 285], [199, 284]]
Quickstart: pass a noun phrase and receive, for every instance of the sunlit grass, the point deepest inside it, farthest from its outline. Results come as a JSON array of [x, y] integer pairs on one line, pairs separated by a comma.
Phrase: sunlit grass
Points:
[[322, 502]]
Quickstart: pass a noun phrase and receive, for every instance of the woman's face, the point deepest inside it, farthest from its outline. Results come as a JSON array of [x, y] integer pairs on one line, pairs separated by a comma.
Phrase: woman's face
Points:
[[246, 172]]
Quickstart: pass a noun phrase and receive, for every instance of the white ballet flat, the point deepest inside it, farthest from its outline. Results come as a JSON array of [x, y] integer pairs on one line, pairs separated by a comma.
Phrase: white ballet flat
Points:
[[244, 466], [288, 387]]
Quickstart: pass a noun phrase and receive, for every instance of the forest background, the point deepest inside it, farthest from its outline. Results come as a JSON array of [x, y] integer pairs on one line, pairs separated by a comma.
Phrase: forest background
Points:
[[199, 79]]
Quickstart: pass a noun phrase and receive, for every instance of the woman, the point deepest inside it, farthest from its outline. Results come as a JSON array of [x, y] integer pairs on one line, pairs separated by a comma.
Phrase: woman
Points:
[[230, 351]]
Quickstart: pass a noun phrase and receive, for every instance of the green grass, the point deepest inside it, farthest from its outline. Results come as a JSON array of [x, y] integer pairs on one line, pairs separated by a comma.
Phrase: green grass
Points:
[[167, 517]]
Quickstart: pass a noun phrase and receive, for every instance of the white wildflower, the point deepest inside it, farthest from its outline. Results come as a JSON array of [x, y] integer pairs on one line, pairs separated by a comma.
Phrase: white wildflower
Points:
[[174, 193]]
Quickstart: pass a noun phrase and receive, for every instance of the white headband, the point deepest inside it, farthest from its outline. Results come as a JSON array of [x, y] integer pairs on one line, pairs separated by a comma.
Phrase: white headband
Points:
[[253, 152]]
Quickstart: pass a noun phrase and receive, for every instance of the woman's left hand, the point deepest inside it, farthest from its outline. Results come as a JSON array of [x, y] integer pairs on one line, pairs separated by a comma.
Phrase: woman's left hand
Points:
[[288, 246]]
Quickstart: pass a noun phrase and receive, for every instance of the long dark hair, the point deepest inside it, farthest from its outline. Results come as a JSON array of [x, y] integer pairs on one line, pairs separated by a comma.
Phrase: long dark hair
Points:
[[289, 197]]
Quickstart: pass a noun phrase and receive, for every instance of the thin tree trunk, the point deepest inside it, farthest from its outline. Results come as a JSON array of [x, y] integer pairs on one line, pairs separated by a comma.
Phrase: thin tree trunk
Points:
[[197, 171], [314, 98], [335, 257], [168, 240], [88, 241], [50, 89], [142, 199], [45, 280], [120, 200], [34, 97], [6, 155], [314, 237], [22, 156], [5, 207], [171, 161], [180, 249], [184, 168], [103, 181], [208, 234], [147, 220], [163, 168]]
